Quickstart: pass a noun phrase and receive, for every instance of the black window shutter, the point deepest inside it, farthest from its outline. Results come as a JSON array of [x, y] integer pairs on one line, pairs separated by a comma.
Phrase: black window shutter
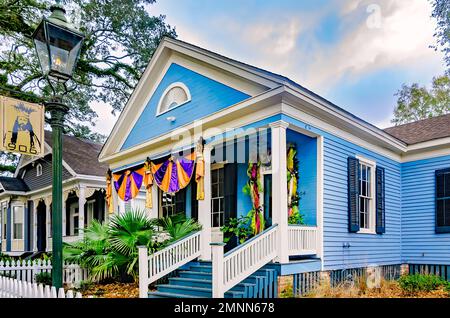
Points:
[[230, 198], [353, 194], [443, 201], [380, 201]]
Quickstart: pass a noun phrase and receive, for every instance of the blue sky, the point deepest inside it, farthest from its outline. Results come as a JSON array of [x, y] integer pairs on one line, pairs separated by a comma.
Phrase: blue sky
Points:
[[355, 53]]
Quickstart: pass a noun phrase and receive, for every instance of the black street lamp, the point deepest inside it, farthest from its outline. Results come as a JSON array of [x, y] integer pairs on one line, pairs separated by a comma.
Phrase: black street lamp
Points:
[[58, 46]]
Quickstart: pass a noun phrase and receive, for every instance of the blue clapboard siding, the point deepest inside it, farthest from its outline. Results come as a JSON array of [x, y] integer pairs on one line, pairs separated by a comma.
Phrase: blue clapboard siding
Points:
[[420, 244], [307, 170], [364, 249], [208, 96]]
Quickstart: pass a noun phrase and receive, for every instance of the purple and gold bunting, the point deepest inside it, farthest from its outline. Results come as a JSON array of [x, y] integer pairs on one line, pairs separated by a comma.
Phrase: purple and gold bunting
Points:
[[128, 183], [175, 173]]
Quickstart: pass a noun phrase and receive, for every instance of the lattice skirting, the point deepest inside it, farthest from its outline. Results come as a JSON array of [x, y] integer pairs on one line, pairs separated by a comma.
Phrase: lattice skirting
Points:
[[306, 282], [439, 270]]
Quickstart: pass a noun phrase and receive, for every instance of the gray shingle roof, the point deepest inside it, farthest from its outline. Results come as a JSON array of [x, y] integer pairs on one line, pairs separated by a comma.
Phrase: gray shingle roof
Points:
[[13, 184], [81, 155], [422, 130]]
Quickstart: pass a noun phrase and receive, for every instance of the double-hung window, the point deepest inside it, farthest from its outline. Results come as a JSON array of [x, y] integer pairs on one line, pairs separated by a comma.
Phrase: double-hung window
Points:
[[172, 204], [18, 222], [366, 196], [217, 196], [4, 221], [443, 201]]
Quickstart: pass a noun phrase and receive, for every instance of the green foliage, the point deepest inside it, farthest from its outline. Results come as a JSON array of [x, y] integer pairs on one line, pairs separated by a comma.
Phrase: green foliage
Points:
[[111, 250], [238, 227], [441, 12], [416, 103], [4, 257], [85, 285], [178, 226], [44, 278], [419, 282]]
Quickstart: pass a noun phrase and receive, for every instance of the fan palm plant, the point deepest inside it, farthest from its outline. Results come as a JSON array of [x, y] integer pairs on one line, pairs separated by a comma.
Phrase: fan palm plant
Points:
[[111, 251]]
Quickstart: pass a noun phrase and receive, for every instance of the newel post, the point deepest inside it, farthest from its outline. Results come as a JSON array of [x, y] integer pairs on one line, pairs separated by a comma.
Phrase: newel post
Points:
[[143, 271], [217, 270]]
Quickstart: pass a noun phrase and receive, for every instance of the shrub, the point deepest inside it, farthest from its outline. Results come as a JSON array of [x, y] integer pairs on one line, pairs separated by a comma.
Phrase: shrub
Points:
[[419, 282], [44, 278], [109, 251], [85, 285]]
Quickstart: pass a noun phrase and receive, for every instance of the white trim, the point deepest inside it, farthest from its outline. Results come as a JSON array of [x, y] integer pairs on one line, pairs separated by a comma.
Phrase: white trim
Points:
[[21, 240], [38, 170], [171, 86], [319, 198], [372, 216]]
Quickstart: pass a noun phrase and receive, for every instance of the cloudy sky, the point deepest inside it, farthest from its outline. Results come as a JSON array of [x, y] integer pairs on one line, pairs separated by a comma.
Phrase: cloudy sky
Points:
[[355, 53]]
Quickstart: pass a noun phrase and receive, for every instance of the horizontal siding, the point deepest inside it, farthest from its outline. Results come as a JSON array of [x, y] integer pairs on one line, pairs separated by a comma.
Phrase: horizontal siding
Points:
[[33, 181], [420, 243], [365, 249]]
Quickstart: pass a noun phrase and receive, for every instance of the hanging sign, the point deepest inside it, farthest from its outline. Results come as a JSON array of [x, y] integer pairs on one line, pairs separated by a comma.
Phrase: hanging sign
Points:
[[21, 127]]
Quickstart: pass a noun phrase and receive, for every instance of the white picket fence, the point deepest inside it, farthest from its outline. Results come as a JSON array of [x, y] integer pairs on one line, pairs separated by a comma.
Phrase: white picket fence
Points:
[[14, 288], [26, 270]]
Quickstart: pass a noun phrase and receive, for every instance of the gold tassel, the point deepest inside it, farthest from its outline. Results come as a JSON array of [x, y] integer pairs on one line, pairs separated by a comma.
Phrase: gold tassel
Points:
[[108, 195], [200, 171], [148, 181]]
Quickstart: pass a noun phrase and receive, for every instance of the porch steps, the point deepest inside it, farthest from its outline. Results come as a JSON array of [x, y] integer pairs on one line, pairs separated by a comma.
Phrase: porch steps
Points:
[[194, 280]]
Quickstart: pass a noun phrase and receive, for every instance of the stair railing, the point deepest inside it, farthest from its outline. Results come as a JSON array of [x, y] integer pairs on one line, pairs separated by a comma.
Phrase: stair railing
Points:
[[159, 264], [233, 267]]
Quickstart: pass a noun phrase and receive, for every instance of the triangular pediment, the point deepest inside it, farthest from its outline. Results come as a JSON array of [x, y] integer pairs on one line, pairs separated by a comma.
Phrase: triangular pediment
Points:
[[212, 83]]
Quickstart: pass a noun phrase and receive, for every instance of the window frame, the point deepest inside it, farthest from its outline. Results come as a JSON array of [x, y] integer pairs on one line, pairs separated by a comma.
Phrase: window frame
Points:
[[173, 203], [371, 229], [215, 168], [38, 170], [171, 86], [440, 229], [13, 223]]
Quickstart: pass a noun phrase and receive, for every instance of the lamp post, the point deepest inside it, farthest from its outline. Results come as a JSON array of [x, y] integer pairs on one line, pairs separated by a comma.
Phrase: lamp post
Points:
[[58, 45]]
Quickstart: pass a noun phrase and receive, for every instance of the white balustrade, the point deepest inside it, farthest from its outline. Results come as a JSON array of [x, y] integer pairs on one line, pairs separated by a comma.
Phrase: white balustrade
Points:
[[155, 266], [238, 264], [302, 240]]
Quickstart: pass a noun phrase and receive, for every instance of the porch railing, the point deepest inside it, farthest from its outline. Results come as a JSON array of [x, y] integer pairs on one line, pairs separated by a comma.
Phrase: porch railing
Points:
[[236, 265], [302, 240], [155, 266]]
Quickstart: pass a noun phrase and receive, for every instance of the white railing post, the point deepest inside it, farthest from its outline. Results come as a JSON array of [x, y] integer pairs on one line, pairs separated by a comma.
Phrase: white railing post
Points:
[[218, 288], [279, 188], [143, 272]]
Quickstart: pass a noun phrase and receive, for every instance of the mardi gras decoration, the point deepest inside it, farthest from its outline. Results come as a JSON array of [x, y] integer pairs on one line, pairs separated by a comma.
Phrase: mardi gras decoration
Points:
[[200, 171], [253, 188], [174, 173], [108, 195], [128, 183], [294, 215], [148, 182], [21, 127]]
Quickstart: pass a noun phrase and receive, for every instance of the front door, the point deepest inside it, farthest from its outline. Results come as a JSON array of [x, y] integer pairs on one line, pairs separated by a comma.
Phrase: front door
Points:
[[41, 227]]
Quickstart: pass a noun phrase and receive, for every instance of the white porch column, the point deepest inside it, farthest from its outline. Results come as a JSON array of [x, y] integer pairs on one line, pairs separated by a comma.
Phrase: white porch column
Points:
[[115, 199], [64, 216], [204, 208], [35, 205], [279, 188], [81, 202]]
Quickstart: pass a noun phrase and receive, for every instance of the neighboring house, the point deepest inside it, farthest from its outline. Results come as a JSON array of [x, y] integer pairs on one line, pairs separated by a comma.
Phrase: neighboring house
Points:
[[367, 196], [26, 198]]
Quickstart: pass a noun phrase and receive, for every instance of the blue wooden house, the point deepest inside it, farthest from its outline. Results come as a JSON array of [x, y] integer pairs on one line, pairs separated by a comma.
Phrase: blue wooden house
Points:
[[328, 190]]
